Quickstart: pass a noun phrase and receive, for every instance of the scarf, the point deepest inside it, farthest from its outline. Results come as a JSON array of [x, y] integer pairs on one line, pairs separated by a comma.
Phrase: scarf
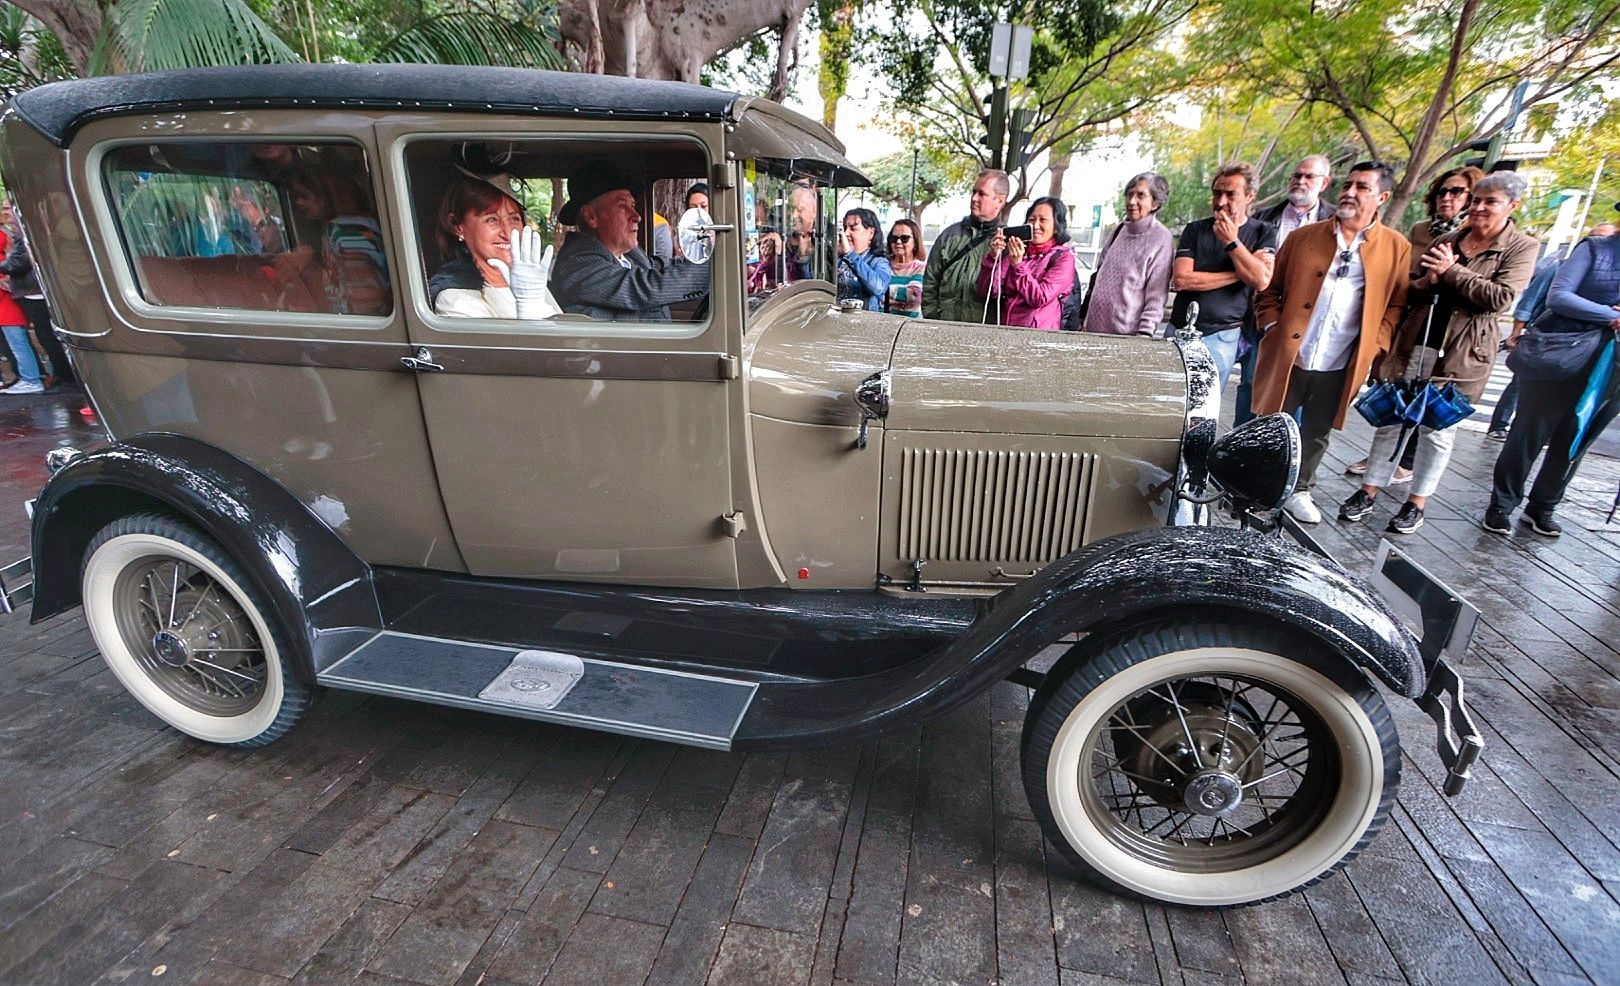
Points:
[[1439, 227]]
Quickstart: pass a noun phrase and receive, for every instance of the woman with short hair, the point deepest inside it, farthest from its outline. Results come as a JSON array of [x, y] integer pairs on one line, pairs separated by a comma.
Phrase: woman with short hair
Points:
[[1462, 284], [1028, 281], [907, 262], [863, 265], [1132, 281]]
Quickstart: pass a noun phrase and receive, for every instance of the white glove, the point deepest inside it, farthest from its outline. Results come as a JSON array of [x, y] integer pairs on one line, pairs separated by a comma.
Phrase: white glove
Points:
[[528, 274]]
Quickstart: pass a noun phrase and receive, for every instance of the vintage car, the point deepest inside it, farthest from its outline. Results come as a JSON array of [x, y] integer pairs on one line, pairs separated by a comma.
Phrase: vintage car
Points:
[[752, 519]]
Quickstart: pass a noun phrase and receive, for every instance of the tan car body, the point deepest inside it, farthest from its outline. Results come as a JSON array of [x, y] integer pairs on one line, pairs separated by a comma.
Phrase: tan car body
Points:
[[721, 459]]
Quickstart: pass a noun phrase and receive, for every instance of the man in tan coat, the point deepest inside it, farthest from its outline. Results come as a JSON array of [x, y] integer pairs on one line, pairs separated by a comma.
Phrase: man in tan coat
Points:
[[1331, 308]]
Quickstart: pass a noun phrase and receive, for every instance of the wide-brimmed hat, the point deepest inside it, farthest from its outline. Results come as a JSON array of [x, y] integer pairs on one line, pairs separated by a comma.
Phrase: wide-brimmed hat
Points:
[[595, 179]]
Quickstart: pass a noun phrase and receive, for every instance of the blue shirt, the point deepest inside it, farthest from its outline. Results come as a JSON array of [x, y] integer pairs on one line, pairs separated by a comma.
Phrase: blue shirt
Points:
[[1534, 298]]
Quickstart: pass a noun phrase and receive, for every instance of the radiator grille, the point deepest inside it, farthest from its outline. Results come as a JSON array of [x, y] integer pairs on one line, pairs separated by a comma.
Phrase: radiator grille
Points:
[[992, 506]]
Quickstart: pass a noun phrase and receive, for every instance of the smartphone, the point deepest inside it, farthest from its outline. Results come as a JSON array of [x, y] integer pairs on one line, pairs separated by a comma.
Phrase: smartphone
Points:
[[1023, 232]]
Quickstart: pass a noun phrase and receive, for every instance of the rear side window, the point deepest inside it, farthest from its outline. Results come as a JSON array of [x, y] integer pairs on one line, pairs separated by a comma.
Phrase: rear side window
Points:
[[260, 226]]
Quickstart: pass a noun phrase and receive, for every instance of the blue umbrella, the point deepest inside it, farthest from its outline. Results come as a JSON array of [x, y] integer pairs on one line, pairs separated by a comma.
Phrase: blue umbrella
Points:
[[1597, 385]]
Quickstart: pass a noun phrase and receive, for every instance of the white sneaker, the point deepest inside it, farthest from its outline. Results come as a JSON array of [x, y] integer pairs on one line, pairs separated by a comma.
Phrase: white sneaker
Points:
[[24, 387], [1302, 508]]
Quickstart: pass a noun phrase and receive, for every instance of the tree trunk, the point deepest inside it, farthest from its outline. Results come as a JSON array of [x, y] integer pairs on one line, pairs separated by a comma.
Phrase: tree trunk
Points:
[[787, 58], [76, 23], [1060, 167], [837, 48], [673, 38]]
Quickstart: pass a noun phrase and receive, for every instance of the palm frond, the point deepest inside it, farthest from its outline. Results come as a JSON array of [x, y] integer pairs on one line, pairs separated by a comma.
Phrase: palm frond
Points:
[[151, 35], [473, 37]]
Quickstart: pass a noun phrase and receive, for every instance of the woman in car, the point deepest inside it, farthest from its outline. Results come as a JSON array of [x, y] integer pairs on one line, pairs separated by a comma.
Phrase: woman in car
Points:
[[863, 270], [1027, 281], [478, 226]]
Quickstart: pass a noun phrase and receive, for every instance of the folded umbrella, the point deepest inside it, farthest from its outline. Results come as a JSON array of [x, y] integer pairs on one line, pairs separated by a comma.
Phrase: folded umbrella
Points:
[[1597, 387]]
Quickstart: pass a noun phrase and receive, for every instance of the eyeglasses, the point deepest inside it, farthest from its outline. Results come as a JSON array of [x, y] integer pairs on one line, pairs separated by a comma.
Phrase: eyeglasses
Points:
[[1451, 190], [1344, 264], [899, 239], [1306, 175]]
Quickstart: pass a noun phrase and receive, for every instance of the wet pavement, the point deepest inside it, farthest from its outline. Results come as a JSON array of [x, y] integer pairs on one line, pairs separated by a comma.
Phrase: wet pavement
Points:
[[387, 842]]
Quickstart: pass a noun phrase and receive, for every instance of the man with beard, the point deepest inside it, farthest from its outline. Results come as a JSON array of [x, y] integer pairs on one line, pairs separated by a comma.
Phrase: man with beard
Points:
[[950, 281], [1329, 311], [1304, 203], [1220, 263]]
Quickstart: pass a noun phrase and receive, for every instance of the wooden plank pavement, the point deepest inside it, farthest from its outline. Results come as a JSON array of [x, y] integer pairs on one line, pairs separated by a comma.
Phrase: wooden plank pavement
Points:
[[386, 842]]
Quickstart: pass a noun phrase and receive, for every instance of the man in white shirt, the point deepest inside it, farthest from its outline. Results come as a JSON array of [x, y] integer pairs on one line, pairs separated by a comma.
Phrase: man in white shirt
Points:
[[1329, 311]]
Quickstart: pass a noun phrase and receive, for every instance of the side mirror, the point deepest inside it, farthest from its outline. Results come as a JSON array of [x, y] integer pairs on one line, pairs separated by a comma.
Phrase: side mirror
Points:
[[872, 397], [1257, 463]]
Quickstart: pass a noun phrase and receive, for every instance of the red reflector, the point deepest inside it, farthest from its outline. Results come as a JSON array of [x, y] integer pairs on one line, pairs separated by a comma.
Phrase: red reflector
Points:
[[804, 573]]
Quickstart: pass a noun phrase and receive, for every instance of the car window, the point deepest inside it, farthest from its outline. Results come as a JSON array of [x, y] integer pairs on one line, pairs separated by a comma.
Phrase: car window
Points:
[[543, 235], [268, 226], [790, 230]]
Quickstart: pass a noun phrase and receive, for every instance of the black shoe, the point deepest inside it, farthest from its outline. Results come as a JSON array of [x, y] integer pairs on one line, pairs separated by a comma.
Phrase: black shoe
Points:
[[1407, 520], [1358, 506], [1496, 521], [1546, 526]]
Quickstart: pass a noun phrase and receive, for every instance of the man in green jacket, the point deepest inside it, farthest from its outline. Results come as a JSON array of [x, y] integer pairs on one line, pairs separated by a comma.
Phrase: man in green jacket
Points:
[[952, 274]]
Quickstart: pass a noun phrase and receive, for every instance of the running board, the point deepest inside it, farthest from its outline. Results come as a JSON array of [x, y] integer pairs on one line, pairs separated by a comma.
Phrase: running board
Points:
[[676, 706]]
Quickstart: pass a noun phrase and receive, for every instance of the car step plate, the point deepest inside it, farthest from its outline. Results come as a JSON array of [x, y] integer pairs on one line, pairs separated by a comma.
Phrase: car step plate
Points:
[[697, 710]]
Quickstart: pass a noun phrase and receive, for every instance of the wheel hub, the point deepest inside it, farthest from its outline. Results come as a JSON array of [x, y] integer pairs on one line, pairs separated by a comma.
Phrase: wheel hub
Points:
[[170, 648], [1213, 793]]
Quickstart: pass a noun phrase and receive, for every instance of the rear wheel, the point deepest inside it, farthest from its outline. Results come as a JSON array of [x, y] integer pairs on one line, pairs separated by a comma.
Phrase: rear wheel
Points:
[[182, 628], [1209, 765]]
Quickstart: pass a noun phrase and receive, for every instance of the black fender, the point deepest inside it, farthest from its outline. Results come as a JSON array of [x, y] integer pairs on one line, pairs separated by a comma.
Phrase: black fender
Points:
[[319, 589], [1193, 572]]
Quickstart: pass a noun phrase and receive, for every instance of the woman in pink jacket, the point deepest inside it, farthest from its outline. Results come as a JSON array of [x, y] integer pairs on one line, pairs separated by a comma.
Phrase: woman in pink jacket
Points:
[[1027, 282]]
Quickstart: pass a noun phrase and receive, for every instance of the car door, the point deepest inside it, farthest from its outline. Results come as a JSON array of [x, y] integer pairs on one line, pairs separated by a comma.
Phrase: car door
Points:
[[572, 448]]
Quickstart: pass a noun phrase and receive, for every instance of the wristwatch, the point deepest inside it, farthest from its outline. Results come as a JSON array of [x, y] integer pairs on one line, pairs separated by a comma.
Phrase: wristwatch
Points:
[[1231, 246]]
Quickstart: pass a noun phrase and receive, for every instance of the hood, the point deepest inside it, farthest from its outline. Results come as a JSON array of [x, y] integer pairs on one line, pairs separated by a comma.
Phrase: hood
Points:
[[955, 377]]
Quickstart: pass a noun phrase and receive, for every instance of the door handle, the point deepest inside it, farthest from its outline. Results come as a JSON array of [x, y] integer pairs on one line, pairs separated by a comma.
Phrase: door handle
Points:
[[422, 362]]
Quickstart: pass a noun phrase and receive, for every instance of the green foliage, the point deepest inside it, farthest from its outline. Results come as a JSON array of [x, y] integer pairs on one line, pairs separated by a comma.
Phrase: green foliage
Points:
[[837, 48], [151, 35], [1416, 81], [1095, 66], [748, 68], [29, 54], [937, 176], [473, 37]]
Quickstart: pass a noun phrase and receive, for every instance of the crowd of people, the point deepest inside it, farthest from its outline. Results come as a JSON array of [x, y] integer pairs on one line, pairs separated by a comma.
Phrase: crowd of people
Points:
[[1305, 302]]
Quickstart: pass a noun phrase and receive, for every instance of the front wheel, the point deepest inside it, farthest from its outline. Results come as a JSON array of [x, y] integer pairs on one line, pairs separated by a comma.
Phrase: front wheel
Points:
[[1209, 764], [185, 631]]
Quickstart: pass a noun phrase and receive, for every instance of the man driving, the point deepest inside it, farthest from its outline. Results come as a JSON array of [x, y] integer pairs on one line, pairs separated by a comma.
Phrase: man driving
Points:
[[601, 271]]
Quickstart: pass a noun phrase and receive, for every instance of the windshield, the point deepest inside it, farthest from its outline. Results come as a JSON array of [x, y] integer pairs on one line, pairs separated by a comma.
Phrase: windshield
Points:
[[790, 213]]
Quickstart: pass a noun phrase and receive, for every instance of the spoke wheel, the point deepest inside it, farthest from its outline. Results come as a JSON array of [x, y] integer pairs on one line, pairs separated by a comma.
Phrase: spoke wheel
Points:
[[181, 627], [1209, 765]]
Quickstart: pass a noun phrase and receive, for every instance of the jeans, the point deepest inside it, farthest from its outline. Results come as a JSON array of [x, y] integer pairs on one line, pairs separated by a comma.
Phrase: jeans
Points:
[[1242, 404], [40, 316], [1546, 417], [1223, 345], [1505, 406], [1313, 399], [22, 351], [1428, 463]]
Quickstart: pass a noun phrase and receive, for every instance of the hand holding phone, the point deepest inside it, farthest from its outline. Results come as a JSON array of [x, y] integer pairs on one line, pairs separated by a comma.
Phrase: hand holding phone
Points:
[[1023, 232]]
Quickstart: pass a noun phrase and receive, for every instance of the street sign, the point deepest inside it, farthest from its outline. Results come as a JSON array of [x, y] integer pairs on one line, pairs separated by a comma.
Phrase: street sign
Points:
[[1000, 49]]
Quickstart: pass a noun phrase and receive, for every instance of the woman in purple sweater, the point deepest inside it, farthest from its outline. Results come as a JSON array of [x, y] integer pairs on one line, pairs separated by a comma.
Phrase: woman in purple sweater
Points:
[[1029, 281], [1133, 273]]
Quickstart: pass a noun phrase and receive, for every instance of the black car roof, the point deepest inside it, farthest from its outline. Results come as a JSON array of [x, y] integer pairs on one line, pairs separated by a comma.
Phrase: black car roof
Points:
[[59, 109]]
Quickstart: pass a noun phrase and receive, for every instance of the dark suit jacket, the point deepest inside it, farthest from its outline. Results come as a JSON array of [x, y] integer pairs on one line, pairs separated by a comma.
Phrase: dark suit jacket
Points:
[[1273, 213], [587, 279]]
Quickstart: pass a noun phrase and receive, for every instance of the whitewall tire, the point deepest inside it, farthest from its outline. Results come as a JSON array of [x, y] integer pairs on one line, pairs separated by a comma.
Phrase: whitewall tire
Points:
[[185, 631]]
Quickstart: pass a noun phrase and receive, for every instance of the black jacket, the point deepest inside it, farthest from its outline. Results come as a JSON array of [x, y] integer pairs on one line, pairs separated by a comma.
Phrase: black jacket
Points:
[[1273, 213], [588, 279]]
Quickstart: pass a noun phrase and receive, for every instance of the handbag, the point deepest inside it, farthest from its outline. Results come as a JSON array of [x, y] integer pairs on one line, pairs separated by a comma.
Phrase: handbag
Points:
[[1543, 355]]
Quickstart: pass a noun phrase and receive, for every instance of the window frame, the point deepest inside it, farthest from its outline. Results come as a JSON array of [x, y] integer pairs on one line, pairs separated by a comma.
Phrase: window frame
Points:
[[414, 276], [192, 319]]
